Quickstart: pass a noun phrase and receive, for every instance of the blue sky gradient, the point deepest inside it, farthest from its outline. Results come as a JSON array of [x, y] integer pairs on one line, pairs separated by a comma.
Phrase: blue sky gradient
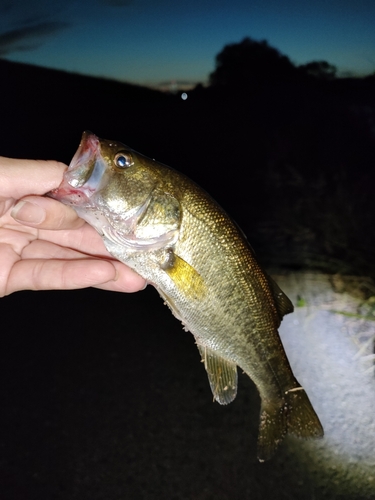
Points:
[[148, 41]]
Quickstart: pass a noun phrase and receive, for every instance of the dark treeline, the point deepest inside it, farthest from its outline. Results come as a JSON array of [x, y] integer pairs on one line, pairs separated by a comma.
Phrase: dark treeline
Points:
[[251, 64], [288, 150]]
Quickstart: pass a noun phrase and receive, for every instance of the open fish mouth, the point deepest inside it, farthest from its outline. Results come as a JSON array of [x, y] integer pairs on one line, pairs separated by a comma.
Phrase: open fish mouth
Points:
[[84, 175]]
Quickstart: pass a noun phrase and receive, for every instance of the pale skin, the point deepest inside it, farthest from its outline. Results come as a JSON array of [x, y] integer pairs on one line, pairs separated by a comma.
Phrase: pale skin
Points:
[[43, 244]]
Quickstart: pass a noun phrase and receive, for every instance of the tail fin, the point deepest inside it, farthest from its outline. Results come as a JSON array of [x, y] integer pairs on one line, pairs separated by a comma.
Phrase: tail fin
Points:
[[302, 420], [295, 416], [272, 430]]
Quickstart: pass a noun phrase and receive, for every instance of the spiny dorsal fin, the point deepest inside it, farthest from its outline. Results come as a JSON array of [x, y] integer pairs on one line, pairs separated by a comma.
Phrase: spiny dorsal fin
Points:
[[282, 302], [222, 375]]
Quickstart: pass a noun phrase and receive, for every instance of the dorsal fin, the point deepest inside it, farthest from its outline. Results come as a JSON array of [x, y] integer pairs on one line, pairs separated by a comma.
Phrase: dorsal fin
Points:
[[222, 375], [282, 302]]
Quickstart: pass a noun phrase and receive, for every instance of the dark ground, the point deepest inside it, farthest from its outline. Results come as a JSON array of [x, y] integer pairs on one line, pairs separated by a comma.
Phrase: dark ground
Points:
[[104, 396]]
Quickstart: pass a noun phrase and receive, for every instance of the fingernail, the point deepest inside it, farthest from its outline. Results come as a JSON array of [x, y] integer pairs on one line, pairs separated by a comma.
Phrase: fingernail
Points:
[[29, 213]]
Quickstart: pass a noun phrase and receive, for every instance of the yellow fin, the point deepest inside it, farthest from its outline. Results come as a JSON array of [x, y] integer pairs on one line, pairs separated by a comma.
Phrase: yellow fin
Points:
[[222, 375], [185, 277]]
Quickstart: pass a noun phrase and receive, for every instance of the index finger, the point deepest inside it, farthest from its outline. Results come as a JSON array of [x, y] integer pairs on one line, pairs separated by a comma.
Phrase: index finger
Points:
[[19, 178]]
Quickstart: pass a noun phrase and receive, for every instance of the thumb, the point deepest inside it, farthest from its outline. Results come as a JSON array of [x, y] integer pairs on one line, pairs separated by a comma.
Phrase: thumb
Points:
[[45, 213]]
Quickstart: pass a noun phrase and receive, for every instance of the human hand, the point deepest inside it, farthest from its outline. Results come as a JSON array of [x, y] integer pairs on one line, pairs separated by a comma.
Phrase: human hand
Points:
[[44, 245]]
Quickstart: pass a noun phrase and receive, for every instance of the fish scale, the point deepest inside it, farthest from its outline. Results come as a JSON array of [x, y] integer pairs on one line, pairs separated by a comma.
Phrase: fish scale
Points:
[[170, 231]]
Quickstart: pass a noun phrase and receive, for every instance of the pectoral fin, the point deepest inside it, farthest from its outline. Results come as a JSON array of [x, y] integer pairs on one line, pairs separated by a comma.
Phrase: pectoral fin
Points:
[[185, 277], [222, 375]]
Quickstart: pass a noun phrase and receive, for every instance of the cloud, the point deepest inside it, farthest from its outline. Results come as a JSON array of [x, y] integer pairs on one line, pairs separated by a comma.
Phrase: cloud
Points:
[[25, 25], [28, 37]]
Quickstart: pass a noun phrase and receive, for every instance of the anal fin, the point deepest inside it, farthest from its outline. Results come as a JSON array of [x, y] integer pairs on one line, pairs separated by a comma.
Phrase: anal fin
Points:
[[222, 375]]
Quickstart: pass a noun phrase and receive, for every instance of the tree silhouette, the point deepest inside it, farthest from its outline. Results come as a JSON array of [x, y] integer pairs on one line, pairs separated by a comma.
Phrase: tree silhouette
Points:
[[319, 69], [250, 63]]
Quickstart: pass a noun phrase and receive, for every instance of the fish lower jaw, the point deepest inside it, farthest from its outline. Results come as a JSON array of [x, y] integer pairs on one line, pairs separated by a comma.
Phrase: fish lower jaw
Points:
[[70, 196]]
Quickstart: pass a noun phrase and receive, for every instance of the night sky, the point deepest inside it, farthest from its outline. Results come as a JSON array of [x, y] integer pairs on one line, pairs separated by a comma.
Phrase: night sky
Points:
[[149, 41]]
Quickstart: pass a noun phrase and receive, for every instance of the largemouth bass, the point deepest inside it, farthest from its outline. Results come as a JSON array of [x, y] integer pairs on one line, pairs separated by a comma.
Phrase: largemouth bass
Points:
[[170, 231]]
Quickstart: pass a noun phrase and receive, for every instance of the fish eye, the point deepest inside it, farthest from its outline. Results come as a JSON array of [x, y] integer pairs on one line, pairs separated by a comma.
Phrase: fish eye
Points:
[[123, 159]]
